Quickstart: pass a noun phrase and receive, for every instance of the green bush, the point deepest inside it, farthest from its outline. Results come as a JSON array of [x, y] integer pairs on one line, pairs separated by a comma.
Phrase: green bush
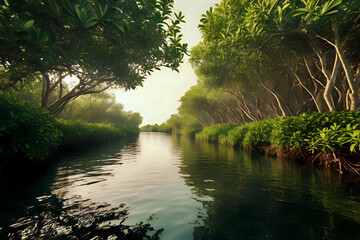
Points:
[[259, 133], [156, 128], [191, 129], [236, 135], [326, 132], [76, 133], [213, 132], [26, 131], [184, 125], [289, 132], [30, 132], [330, 131]]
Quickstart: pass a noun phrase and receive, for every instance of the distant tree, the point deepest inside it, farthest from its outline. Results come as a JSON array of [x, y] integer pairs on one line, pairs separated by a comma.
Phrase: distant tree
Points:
[[101, 108], [183, 124], [210, 106], [110, 43]]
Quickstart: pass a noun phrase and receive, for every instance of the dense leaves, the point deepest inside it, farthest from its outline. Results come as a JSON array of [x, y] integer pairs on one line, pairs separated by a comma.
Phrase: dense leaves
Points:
[[269, 58], [28, 132], [102, 108], [25, 130], [325, 132], [156, 128], [102, 44], [78, 133]]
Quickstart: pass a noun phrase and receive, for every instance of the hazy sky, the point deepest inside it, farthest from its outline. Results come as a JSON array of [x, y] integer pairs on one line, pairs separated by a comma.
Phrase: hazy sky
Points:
[[159, 96]]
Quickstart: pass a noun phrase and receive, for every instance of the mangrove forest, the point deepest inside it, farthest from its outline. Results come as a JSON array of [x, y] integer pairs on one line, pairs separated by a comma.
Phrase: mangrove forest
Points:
[[178, 120]]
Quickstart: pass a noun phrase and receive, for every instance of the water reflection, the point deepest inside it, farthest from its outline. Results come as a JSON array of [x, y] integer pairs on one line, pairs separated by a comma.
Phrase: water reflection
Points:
[[248, 196], [47, 208], [56, 218], [173, 188]]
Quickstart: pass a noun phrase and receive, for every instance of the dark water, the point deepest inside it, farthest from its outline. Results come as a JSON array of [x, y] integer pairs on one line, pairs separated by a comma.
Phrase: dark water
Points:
[[178, 188]]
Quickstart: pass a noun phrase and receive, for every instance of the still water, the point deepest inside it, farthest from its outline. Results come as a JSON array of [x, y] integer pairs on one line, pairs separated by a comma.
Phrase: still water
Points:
[[172, 187]]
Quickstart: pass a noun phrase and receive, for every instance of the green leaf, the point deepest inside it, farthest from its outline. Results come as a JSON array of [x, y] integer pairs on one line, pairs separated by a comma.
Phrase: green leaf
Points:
[[54, 7], [105, 9], [78, 12], [91, 23], [331, 12], [29, 23], [119, 27], [352, 147], [303, 10], [118, 9]]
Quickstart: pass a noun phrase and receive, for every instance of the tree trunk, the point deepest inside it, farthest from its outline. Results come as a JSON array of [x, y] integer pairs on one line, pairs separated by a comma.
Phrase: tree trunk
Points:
[[45, 91], [353, 79], [330, 83], [312, 95]]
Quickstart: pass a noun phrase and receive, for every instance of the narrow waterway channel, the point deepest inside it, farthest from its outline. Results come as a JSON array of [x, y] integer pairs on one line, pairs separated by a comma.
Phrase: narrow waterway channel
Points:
[[187, 188]]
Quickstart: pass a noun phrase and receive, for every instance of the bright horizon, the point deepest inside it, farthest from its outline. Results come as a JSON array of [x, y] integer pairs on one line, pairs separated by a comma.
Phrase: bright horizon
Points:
[[160, 95]]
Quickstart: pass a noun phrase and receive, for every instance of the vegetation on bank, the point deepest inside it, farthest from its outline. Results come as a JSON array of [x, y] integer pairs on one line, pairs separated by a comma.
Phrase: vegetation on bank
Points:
[[280, 76], [25, 130], [99, 46], [177, 124], [78, 133], [156, 128], [332, 135], [29, 132], [267, 59]]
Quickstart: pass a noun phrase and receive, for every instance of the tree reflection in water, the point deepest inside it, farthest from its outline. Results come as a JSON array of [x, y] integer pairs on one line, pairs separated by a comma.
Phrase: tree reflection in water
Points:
[[56, 214], [249, 196], [55, 218]]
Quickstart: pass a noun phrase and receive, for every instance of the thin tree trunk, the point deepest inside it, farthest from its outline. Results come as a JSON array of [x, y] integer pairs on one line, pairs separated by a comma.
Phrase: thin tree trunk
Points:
[[306, 89], [277, 99], [45, 91], [330, 83], [353, 79]]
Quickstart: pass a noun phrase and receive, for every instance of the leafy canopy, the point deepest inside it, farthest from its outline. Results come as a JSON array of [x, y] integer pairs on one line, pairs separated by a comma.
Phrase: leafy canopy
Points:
[[116, 42]]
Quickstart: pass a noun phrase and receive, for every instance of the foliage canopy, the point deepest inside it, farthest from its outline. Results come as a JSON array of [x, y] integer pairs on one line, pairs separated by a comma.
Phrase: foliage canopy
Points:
[[111, 43]]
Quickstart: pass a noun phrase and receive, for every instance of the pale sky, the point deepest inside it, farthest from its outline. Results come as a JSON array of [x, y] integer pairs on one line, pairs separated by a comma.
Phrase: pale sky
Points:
[[159, 97]]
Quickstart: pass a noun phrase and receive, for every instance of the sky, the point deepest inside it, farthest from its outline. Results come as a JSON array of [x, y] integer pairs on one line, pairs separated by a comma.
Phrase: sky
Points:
[[159, 97]]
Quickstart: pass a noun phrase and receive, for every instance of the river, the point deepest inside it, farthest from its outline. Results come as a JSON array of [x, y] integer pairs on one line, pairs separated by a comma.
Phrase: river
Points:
[[179, 188]]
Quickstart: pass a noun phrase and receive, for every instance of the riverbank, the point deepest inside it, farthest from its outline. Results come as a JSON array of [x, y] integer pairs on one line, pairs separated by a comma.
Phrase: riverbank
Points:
[[330, 139], [29, 135]]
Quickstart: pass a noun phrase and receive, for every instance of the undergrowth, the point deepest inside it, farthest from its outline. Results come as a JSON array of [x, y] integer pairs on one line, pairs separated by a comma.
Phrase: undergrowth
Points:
[[326, 132]]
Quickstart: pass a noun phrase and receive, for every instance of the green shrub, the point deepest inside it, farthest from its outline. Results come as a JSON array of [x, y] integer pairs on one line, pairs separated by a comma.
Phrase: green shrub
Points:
[[330, 131], [191, 129], [289, 132], [259, 133], [213, 132], [235, 136], [30, 132], [26, 130], [336, 138], [156, 128], [77, 133], [326, 132]]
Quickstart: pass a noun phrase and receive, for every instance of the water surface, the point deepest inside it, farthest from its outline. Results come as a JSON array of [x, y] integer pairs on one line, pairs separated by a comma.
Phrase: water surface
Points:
[[179, 188]]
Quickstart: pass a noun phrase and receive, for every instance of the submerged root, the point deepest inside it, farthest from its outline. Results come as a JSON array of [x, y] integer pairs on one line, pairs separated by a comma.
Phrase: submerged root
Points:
[[351, 166], [344, 165], [343, 162]]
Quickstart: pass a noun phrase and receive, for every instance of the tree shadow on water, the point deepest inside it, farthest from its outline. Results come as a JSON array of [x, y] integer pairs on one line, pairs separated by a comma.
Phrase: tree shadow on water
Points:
[[75, 218]]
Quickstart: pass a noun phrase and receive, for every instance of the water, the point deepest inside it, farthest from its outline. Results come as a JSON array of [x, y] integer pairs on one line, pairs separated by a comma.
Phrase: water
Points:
[[179, 188]]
